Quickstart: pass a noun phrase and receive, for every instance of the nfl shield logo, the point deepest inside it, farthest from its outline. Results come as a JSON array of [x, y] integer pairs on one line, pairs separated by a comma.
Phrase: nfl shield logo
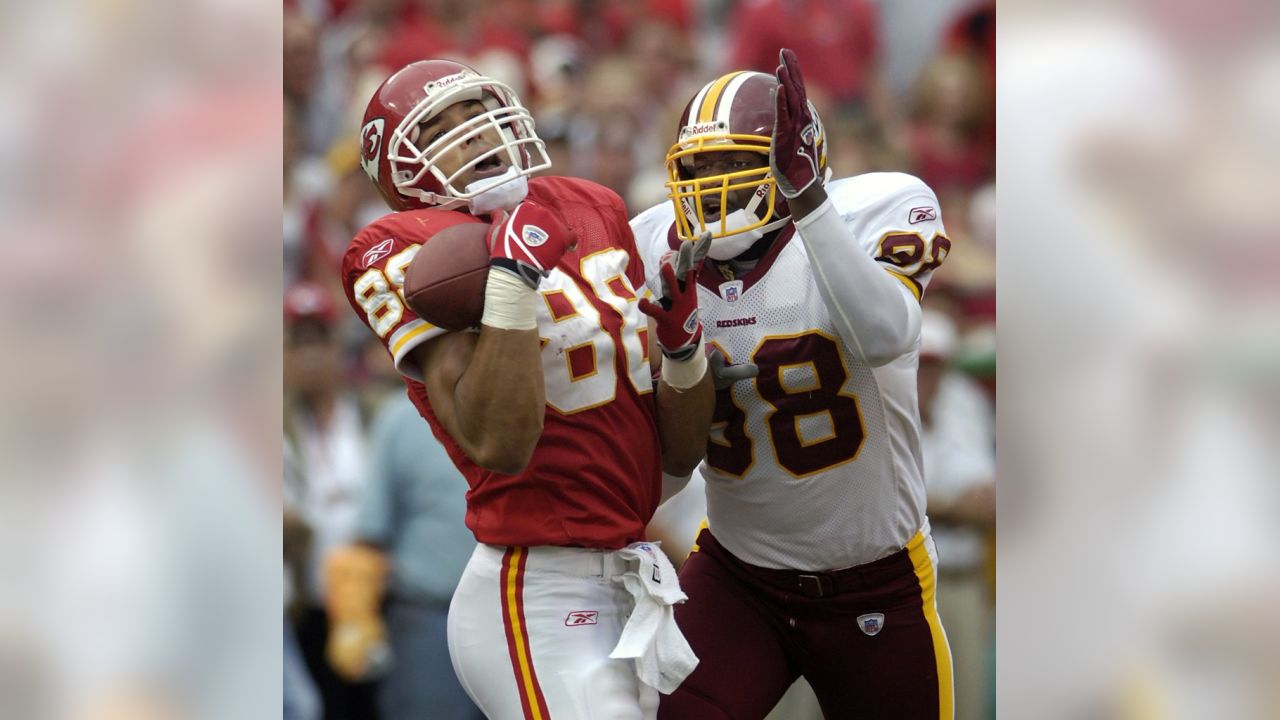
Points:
[[534, 236], [871, 623], [731, 290]]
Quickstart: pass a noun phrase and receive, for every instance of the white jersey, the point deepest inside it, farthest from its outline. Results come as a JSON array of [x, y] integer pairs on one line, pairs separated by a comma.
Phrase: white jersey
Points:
[[816, 463]]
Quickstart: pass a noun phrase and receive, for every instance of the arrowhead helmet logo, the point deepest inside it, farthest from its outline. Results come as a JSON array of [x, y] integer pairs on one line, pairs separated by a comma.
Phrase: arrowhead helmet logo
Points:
[[871, 623], [371, 146]]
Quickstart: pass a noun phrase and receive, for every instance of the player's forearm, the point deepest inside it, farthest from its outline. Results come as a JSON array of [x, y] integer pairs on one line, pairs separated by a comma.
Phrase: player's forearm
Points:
[[500, 399], [684, 418], [874, 312]]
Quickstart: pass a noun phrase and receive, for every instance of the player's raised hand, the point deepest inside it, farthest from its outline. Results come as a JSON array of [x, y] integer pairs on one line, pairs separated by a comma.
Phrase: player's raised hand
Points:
[[724, 375], [688, 259], [529, 242], [676, 312], [793, 155]]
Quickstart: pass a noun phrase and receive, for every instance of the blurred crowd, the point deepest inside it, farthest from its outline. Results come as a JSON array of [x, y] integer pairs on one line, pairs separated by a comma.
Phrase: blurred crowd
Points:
[[901, 86]]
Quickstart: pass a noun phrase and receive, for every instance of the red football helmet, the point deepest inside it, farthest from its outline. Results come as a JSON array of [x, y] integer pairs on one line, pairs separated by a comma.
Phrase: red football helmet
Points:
[[409, 177], [732, 112]]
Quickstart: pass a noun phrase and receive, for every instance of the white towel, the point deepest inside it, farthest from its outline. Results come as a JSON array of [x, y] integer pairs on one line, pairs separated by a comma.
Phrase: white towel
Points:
[[663, 657]]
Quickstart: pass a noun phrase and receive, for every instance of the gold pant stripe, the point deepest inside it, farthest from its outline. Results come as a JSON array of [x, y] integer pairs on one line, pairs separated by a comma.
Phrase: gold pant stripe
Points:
[[927, 575]]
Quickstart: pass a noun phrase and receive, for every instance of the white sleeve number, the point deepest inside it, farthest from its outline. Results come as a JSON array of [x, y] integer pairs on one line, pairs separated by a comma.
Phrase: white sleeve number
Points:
[[374, 291]]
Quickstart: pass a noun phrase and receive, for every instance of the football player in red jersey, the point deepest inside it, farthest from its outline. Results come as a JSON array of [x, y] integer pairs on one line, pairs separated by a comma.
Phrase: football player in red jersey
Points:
[[817, 558], [550, 409]]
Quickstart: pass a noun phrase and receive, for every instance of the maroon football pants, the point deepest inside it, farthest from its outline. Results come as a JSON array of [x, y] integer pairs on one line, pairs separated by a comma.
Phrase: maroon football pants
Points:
[[867, 638]]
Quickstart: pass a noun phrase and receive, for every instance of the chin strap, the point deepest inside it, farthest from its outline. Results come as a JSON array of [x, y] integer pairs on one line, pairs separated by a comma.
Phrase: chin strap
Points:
[[503, 192], [731, 246], [737, 240]]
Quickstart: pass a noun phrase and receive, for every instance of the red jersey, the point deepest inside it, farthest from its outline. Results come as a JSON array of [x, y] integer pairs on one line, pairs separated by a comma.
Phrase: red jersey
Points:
[[595, 476]]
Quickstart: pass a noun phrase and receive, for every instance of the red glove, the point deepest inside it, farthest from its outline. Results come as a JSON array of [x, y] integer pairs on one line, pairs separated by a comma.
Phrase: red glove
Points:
[[529, 242], [793, 155], [676, 312]]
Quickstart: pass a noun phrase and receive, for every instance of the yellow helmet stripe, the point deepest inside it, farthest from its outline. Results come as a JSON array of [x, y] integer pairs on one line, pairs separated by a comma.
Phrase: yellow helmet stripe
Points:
[[730, 91], [708, 109]]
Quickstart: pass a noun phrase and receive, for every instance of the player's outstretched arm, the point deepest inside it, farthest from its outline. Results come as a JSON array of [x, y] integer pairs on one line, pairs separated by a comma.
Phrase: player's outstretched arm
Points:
[[686, 397], [875, 314]]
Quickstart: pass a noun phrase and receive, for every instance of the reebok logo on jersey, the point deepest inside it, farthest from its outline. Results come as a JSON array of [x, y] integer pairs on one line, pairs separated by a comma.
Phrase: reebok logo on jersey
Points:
[[922, 214], [736, 322], [377, 252], [871, 623], [581, 617]]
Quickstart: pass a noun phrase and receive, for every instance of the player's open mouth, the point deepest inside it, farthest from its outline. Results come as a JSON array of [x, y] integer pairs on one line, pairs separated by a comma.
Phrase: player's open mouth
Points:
[[711, 209], [488, 167]]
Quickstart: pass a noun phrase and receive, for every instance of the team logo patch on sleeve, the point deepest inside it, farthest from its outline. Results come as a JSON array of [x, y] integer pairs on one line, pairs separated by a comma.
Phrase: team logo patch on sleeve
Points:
[[922, 214], [871, 623]]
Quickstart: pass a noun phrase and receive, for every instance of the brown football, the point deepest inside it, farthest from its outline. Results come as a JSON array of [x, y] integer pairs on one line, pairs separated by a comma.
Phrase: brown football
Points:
[[445, 282]]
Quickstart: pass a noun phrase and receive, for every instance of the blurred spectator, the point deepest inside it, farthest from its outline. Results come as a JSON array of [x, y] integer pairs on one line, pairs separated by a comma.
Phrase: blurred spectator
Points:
[[324, 430], [557, 64], [971, 263], [307, 180], [330, 222], [485, 34], [301, 699], [349, 45], [858, 145], [948, 136], [621, 20], [973, 32], [301, 48], [958, 445], [609, 25], [413, 509], [837, 42]]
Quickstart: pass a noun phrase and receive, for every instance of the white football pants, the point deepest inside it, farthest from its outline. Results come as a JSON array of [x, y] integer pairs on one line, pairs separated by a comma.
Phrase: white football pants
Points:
[[530, 632]]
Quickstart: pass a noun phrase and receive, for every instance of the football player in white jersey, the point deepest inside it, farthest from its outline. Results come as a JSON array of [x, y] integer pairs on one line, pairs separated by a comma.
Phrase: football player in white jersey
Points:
[[816, 559]]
